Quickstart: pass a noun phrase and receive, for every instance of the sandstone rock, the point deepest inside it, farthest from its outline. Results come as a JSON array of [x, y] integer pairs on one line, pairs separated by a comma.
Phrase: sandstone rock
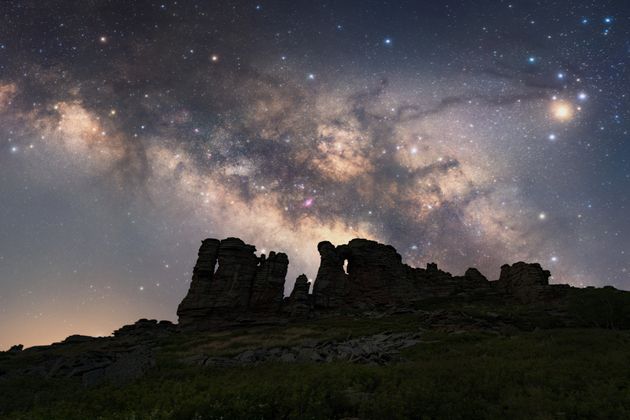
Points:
[[298, 304], [241, 285], [526, 282], [522, 274], [232, 285], [200, 298], [267, 290], [330, 287], [377, 277], [473, 275], [233, 280], [376, 274]]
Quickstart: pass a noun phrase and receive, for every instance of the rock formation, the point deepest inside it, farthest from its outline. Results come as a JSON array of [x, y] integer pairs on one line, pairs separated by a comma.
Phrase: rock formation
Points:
[[299, 303], [526, 282], [330, 286], [231, 284], [242, 284], [376, 276], [268, 288]]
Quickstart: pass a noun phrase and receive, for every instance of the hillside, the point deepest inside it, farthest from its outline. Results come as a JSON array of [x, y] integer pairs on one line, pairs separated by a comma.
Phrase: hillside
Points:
[[469, 349]]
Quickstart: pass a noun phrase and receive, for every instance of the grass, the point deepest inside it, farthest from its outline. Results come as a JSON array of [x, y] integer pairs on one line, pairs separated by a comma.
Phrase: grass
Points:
[[582, 372], [567, 373]]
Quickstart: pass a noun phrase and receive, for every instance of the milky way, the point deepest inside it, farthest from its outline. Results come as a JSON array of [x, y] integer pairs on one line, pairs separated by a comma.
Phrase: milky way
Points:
[[468, 135]]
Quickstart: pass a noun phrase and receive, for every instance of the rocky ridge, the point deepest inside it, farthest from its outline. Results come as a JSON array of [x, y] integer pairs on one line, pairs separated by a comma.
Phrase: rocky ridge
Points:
[[231, 285]]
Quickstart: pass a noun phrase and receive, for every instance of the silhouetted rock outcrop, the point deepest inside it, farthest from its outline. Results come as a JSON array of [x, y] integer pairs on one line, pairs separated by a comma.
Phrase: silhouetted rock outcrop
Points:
[[473, 275], [201, 296], [376, 276], [242, 283], [268, 288], [330, 288], [231, 284], [16, 349], [298, 304], [526, 282], [146, 328]]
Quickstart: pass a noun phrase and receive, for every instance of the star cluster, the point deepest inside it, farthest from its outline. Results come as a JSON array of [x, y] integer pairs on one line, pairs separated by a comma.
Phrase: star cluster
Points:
[[465, 133]]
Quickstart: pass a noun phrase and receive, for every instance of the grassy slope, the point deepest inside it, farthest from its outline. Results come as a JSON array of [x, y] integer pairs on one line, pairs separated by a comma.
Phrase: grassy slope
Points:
[[545, 373]]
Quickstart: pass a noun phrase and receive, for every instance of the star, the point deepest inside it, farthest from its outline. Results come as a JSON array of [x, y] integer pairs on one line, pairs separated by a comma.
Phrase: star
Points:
[[561, 111]]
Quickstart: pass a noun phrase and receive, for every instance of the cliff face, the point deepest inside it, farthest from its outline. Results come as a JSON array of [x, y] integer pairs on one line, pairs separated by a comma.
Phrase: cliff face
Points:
[[231, 284]]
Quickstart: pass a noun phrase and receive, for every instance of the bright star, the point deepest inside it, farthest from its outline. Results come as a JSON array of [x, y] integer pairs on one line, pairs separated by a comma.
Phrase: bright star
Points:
[[552, 137], [542, 216], [311, 76], [560, 75], [388, 41], [531, 59], [561, 111], [582, 96]]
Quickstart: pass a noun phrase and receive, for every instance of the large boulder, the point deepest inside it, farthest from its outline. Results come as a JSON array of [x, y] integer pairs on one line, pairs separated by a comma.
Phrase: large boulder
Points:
[[527, 282]]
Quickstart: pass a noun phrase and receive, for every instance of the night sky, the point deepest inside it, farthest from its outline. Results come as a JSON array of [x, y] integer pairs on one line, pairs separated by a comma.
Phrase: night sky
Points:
[[469, 133]]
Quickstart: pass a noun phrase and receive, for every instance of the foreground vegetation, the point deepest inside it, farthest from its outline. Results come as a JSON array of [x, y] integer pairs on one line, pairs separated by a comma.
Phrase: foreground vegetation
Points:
[[540, 373]]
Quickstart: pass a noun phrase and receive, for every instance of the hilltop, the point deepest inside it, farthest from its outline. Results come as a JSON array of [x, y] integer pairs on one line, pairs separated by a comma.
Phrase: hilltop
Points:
[[371, 338]]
